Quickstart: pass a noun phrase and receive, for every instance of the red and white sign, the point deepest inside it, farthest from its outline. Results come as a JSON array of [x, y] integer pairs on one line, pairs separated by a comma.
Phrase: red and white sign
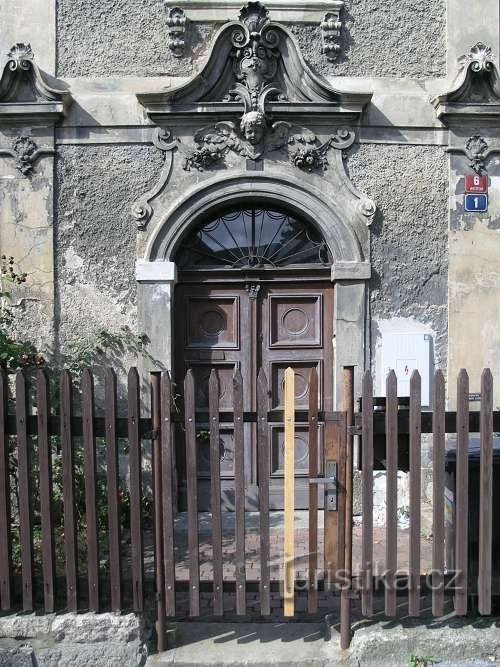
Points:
[[475, 184]]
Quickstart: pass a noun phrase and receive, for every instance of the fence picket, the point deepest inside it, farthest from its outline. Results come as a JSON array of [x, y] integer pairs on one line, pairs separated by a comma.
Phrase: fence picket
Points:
[[5, 508], [135, 490], [367, 500], [70, 537], [215, 493], [114, 526], [486, 494], [46, 513], [345, 594], [415, 494], [158, 508], [462, 486], [312, 593], [168, 493], [192, 495], [263, 464], [25, 498], [239, 489], [391, 553], [90, 474], [438, 477]]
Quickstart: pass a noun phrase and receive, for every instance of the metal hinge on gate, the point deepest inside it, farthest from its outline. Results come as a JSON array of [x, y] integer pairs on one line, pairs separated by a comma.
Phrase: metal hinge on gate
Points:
[[354, 430], [330, 482]]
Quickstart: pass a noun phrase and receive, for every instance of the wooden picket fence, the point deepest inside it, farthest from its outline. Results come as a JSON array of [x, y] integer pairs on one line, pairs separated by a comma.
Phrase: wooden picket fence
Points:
[[27, 419]]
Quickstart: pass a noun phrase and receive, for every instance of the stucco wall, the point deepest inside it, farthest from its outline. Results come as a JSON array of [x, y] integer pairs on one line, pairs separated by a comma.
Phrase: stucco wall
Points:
[[409, 235], [95, 235], [113, 37], [400, 39]]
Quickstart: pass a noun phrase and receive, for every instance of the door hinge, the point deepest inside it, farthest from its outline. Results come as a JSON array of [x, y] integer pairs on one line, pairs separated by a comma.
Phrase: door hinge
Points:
[[354, 430]]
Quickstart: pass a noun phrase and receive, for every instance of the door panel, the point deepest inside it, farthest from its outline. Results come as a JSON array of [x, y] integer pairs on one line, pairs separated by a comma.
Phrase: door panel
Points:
[[297, 331], [248, 325], [208, 334]]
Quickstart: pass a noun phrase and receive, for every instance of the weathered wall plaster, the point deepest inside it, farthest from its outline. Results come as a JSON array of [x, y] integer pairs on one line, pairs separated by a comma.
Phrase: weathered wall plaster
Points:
[[96, 235], [115, 38], [407, 39], [409, 235], [474, 282], [26, 233]]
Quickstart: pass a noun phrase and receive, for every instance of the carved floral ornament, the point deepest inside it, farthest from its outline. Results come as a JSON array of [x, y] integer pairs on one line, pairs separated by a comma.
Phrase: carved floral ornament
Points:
[[25, 152]]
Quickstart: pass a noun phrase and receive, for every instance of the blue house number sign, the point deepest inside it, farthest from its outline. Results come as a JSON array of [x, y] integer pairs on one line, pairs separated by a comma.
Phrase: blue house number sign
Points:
[[476, 203]]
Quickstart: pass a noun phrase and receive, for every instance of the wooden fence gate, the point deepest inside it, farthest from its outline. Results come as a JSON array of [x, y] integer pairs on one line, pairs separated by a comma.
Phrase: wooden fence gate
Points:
[[74, 535]]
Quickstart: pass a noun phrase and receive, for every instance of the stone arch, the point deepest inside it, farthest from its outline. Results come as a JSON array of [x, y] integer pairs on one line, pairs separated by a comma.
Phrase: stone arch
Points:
[[346, 238]]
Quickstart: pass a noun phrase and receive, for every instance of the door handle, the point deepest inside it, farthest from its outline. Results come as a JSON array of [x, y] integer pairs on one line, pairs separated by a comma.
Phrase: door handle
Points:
[[330, 483]]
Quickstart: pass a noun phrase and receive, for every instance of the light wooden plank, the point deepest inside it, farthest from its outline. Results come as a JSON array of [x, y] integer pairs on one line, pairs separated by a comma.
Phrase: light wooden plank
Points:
[[289, 537]]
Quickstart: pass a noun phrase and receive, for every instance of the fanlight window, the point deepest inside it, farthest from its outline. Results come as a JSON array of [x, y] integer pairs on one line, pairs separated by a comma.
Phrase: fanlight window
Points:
[[253, 238]]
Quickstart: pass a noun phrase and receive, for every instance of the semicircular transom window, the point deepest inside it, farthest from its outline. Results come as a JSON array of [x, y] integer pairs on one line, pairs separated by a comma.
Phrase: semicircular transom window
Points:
[[253, 238]]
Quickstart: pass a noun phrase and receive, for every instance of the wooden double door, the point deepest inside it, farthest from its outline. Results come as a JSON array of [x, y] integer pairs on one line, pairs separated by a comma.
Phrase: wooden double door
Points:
[[253, 324]]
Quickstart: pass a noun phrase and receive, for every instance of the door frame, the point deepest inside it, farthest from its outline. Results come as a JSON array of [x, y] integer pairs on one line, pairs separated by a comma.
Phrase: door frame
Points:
[[156, 306], [342, 215]]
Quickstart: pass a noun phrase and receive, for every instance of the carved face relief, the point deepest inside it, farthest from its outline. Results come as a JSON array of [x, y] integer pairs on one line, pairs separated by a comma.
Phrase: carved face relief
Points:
[[253, 126]]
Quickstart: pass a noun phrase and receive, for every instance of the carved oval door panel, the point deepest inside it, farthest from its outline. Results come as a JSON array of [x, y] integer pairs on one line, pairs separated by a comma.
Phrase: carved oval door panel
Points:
[[249, 325]]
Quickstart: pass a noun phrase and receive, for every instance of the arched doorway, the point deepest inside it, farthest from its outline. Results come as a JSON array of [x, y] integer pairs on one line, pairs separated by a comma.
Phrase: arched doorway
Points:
[[254, 290]]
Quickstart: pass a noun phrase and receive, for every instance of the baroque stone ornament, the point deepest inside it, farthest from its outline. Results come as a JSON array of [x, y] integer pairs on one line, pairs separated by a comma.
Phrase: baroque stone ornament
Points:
[[254, 58], [311, 155], [25, 152], [213, 142], [25, 92], [475, 91], [479, 58], [331, 26], [142, 209], [177, 24], [20, 56], [476, 150]]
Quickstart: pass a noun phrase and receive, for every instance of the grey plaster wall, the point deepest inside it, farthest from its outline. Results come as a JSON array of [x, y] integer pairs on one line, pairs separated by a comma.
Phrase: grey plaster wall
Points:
[[403, 39], [116, 38], [95, 235], [410, 233]]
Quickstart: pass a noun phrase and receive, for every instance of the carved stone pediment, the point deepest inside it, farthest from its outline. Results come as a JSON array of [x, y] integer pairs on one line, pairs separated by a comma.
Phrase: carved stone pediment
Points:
[[255, 66], [25, 91], [475, 91]]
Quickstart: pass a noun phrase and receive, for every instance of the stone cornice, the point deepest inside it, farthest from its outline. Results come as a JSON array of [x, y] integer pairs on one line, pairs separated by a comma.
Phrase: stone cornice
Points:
[[475, 94], [254, 64], [26, 95]]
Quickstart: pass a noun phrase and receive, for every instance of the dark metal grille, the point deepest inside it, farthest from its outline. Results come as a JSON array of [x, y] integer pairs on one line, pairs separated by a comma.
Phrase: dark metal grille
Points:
[[253, 238]]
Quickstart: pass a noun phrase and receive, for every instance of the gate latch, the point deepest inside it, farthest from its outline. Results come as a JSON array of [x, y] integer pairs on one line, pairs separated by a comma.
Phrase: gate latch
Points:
[[330, 482]]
